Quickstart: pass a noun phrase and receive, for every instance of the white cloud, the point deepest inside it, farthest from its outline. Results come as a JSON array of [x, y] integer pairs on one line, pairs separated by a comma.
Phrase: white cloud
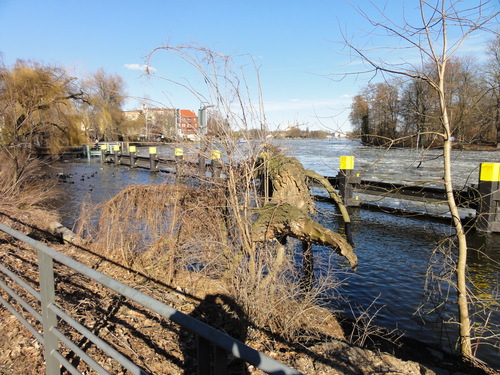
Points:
[[140, 67]]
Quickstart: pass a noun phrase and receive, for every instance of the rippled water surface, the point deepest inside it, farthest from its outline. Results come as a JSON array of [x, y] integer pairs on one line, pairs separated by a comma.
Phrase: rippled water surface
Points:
[[393, 251]]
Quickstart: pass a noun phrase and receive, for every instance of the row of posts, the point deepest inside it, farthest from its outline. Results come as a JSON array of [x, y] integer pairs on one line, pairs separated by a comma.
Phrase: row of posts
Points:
[[215, 157], [488, 206], [487, 212]]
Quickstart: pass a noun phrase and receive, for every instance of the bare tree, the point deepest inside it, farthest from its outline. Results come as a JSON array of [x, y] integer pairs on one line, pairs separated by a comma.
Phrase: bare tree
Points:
[[442, 29], [493, 81]]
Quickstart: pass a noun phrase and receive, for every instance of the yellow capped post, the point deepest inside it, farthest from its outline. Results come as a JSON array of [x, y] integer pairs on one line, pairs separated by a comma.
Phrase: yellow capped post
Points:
[[347, 181], [347, 162], [488, 219], [490, 172], [116, 148], [178, 154], [104, 147], [153, 159], [132, 153], [215, 155]]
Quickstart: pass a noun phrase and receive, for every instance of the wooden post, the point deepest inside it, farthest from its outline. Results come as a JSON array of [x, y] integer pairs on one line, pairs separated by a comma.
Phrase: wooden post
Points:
[[216, 163], [347, 180], [103, 153], [487, 215], [179, 157], [202, 165], [179, 154], [87, 152], [117, 154], [153, 159], [132, 153]]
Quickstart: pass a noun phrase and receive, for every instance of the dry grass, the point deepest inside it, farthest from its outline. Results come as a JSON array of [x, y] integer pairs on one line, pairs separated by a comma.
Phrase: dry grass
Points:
[[23, 190]]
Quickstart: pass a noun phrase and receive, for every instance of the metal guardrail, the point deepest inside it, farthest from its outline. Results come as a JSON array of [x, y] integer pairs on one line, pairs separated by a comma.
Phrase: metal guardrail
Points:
[[52, 336]]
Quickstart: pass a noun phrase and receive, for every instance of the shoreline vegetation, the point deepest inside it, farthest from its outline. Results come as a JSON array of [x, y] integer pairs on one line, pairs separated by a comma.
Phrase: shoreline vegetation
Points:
[[278, 318]]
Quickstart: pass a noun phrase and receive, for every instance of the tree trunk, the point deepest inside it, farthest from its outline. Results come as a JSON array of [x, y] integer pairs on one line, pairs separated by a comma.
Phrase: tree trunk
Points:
[[463, 309]]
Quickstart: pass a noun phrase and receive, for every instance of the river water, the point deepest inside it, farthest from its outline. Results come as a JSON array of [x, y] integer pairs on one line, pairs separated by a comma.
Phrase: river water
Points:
[[394, 252]]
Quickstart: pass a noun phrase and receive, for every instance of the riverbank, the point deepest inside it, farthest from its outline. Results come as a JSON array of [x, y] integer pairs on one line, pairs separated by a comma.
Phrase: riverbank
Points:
[[161, 348], [397, 246]]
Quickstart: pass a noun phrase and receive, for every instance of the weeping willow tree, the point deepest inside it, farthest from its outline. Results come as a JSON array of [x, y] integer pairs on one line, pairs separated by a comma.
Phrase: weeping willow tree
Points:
[[37, 107], [104, 109]]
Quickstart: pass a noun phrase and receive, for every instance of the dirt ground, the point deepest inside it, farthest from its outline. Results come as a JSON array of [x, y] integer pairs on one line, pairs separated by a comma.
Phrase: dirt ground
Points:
[[160, 346]]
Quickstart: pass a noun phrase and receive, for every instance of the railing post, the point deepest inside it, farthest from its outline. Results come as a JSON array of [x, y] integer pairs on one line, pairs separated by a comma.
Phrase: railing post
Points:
[[132, 153], [216, 164], [347, 180], [488, 218], [153, 159], [203, 353], [49, 319]]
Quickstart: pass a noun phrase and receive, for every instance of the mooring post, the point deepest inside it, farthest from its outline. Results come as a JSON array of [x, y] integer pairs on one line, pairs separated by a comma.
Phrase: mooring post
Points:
[[216, 163], [202, 164], [347, 181], [487, 215], [132, 153], [153, 159], [179, 157], [87, 153], [103, 153], [117, 154]]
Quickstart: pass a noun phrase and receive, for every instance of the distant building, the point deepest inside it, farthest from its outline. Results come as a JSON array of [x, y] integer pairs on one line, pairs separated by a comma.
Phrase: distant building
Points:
[[188, 124], [165, 123]]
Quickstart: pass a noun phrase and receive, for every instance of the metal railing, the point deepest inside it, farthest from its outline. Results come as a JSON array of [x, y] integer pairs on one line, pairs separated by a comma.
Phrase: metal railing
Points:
[[208, 337]]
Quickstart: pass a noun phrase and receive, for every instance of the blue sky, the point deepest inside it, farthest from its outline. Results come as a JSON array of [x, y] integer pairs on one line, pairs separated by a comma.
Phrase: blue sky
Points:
[[296, 44]]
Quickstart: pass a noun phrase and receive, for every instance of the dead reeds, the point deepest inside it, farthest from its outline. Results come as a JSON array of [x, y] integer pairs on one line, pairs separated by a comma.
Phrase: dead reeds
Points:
[[24, 190]]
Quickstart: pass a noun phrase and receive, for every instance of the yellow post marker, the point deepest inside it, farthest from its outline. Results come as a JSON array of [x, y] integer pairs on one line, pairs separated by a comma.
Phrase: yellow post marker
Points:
[[178, 156], [103, 148], [215, 155], [347, 162], [216, 163], [117, 155], [488, 219], [490, 172], [153, 159], [347, 181], [132, 152]]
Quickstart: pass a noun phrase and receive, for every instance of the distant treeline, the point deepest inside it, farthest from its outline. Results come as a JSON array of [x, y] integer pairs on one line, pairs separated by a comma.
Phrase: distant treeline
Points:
[[407, 110]]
